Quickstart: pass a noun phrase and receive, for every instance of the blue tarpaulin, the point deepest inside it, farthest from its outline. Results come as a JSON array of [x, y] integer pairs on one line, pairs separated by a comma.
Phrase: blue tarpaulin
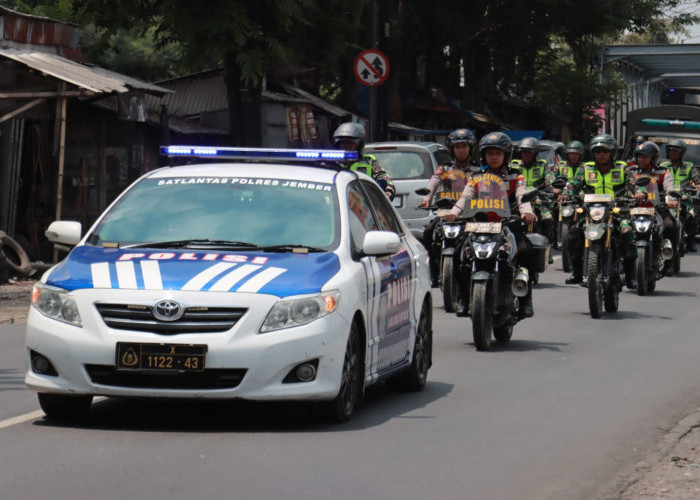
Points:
[[516, 135]]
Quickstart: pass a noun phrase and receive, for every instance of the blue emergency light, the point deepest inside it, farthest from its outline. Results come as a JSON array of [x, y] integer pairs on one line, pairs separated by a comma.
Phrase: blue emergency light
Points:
[[669, 123], [258, 153]]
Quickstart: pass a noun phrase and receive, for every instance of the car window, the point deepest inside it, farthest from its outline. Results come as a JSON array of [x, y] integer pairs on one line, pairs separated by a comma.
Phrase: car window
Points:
[[361, 217], [262, 212], [405, 164], [386, 221], [442, 156]]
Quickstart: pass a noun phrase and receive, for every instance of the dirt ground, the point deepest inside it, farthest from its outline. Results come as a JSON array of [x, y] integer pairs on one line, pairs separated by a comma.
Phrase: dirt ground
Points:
[[671, 470], [14, 301]]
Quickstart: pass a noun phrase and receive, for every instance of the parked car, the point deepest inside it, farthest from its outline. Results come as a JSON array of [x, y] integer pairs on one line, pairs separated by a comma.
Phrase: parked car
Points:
[[257, 280], [410, 165]]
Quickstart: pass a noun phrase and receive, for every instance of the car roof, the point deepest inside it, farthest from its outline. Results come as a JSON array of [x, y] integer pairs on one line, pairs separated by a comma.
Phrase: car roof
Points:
[[262, 170], [406, 145]]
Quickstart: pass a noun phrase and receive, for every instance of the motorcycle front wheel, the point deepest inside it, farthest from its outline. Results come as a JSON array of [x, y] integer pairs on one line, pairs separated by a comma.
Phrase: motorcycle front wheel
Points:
[[595, 286], [565, 259], [482, 322], [449, 285], [640, 270]]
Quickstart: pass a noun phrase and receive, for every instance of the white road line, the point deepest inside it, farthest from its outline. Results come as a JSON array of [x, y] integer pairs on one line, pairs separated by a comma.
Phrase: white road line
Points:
[[22, 418]]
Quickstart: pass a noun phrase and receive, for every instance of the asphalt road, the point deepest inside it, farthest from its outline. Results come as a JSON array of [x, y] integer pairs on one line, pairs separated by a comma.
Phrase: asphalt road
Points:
[[559, 412]]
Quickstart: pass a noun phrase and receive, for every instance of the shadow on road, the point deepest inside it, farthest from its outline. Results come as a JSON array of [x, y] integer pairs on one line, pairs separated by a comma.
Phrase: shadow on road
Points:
[[523, 346], [188, 415]]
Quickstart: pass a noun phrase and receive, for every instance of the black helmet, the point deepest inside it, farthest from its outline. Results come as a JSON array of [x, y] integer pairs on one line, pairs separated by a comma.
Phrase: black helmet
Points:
[[677, 144], [648, 148], [604, 141], [497, 140], [529, 144], [461, 135], [574, 147], [350, 131]]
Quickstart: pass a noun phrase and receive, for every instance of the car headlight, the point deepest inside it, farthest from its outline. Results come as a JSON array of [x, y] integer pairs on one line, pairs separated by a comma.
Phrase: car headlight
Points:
[[484, 250], [56, 303], [597, 213], [289, 313]]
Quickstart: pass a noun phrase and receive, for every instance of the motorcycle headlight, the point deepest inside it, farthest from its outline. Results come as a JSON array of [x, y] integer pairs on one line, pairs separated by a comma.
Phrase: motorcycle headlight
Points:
[[597, 213], [451, 230], [484, 250], [56, 303], [298, 311], [642, 225], [567, 210]]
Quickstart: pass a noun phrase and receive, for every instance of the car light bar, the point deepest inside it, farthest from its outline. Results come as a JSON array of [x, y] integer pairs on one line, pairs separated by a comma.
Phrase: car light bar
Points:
[[258, 153], [670, 123]]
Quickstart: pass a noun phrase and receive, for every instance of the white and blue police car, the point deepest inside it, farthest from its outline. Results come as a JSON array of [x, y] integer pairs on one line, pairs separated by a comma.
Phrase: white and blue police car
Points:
[[249, 275]]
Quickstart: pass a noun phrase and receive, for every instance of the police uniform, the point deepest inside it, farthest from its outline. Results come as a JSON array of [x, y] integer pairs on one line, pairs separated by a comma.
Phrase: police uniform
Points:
[[369, 165]]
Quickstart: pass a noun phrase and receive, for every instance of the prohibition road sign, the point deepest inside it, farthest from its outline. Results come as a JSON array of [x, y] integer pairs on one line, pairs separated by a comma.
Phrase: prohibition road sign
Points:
[[371, 67]]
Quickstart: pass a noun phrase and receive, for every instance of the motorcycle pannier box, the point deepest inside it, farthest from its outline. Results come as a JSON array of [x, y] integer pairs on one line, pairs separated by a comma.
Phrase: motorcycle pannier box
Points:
[[540, 250]]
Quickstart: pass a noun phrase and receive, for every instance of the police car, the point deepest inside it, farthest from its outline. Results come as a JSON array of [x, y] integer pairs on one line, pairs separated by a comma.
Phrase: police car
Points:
[[260, 280]]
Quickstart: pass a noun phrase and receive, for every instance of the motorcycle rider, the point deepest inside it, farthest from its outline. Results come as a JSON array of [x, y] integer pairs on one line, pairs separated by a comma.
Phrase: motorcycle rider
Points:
[[495, 150], [574, 159], [448, 181], [537, 175], [680, 170], [645, 157], [350, 136], [602, 175]]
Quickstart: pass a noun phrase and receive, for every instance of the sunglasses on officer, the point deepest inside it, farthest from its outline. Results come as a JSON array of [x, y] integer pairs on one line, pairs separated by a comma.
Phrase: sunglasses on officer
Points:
[[601, 150]]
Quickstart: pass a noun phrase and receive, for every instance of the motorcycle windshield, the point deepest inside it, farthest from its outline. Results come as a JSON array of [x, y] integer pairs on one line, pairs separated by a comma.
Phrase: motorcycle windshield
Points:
[[491, 196], [652, 190]]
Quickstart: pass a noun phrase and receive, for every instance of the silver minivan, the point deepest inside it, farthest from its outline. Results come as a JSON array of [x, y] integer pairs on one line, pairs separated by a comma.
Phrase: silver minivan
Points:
[[410, 165]]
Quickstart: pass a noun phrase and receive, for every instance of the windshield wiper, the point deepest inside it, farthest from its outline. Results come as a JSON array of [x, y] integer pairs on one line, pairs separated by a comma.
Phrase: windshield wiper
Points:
[[194, 243], [290, 247]]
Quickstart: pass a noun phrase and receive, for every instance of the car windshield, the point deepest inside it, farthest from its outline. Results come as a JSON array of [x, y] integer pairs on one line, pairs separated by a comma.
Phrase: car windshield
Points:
[[222, 211], [693, 143], [404, 164]]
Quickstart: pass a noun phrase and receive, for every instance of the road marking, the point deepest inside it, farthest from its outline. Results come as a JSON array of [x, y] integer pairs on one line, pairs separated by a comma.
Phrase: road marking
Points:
[[22, 418]]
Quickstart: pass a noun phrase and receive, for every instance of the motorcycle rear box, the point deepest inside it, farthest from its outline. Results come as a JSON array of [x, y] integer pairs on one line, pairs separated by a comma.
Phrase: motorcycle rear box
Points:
[[540, 250]]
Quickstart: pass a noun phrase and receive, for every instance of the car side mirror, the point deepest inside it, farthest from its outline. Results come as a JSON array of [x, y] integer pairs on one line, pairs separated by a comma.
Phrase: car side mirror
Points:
[[381, 243], [64, 232]]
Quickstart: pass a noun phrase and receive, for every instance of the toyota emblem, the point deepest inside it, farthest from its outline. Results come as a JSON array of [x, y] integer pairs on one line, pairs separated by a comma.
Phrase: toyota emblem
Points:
[[168, 310]]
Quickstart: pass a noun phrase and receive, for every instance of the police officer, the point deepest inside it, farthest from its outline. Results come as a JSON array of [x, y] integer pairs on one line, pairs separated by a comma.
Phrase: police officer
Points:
[[495, 150], [537, 175], [350, 136], [602, 175], [680, 171], [448, 181], [573, 152], [646, 156]]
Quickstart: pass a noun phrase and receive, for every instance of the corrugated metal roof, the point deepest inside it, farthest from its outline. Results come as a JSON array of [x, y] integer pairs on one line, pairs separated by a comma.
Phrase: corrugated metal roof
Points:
[[677, 66], [92, 78]]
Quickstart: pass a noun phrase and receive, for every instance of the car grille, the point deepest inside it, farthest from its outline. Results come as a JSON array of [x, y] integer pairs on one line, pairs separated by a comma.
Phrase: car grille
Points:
[[194, 320], [207, 379]]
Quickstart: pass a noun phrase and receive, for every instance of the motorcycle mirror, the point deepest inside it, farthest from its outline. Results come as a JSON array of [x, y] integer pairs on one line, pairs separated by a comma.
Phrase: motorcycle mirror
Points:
[[446, 202], [675, 194], [559, 183], [642, 181], [529, 196], [382, 183], [422, 191]]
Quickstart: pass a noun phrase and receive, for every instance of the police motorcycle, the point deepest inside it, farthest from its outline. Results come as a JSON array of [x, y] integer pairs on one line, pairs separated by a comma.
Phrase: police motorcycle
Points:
[[681, 192], [652, 249], [602, 264], [567, 216], [488, 264], [446, 235]]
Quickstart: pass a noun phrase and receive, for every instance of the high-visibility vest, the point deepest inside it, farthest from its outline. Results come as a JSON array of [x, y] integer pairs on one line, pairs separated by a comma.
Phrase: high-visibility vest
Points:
[[364, 165], [534, 174], [604, 183]]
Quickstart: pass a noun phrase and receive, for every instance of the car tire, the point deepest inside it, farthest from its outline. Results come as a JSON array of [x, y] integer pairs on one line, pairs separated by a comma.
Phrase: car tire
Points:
[[342, 406], [61, 407]]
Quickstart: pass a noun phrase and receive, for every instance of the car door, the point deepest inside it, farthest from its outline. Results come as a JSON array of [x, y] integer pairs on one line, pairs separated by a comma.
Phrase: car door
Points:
[[391, 314]]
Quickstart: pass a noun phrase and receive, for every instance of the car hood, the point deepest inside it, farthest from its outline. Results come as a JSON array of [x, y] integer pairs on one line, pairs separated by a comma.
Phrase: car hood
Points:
[[280, 274]]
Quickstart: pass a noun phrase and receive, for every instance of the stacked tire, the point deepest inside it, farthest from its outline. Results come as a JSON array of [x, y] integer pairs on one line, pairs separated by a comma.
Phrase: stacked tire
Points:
[[15, 257]]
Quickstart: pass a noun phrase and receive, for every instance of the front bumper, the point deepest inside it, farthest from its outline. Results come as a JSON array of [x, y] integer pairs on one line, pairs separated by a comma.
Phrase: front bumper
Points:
[[84, 358]]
